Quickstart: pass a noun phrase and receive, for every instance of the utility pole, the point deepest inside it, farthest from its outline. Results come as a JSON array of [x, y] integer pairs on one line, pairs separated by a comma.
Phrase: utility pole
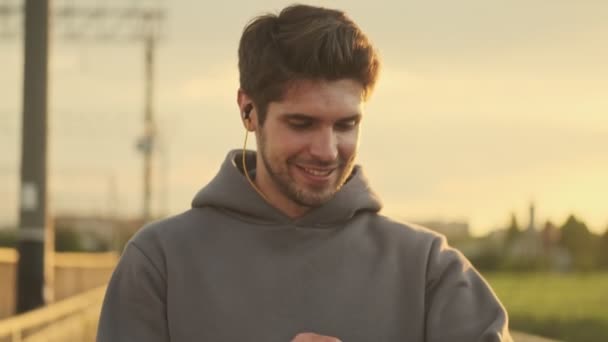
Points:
[[33, 223], [148, 21], [149, 138]]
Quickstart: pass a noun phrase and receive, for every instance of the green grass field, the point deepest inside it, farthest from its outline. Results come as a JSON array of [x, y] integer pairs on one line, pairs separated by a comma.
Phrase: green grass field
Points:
[[567, 307]]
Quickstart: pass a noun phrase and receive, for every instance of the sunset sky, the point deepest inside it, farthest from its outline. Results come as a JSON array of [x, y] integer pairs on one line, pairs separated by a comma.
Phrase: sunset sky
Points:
[[481, 108]]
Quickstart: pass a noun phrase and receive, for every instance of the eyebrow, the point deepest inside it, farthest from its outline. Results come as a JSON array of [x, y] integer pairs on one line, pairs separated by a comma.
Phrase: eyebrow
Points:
[[297, 116], [301, 116]]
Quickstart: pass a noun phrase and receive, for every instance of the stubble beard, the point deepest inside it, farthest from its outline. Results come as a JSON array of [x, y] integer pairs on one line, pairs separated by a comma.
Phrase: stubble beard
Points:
[[302, 195]]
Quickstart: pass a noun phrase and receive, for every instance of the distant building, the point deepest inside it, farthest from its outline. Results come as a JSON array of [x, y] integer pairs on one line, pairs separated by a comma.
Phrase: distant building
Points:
[[539, 246], [528, 244]]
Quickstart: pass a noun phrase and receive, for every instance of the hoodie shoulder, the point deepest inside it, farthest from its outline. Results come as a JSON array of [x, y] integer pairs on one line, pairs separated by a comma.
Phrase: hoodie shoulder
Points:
[[431, 245], [407, 232], [152, 238], [459, 303], [152, 233]]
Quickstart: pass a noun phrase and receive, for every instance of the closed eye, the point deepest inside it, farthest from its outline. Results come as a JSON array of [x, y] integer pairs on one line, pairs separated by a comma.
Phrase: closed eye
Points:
[[299, 123], [346, 125]]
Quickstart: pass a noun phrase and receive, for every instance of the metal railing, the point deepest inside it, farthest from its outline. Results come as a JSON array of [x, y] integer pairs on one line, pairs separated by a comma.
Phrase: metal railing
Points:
[[70, 320], [75, 320]]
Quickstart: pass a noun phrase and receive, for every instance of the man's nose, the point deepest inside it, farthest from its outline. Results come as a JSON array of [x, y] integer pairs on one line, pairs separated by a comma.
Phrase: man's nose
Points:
[[324, 146]]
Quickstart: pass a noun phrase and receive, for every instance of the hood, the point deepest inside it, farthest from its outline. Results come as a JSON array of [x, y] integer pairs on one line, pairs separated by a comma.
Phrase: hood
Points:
[[230, 190]]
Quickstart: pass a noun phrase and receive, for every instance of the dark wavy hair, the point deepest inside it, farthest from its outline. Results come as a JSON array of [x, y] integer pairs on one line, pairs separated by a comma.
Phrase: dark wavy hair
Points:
[[302, 43]]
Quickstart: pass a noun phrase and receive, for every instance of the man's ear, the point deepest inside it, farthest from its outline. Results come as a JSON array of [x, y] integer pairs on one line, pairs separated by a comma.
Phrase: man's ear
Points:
[[247, 110]]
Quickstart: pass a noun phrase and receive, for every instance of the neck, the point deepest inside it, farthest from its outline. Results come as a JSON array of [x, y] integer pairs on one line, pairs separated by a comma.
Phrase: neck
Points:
[[278, 200], [264, 184]]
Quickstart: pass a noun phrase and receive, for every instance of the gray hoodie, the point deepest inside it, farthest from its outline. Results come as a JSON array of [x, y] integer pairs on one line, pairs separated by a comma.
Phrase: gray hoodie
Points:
[[234, 268]]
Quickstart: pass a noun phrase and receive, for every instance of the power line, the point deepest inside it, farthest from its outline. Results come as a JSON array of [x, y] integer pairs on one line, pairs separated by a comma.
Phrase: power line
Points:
[[105, 24], [134, 22]]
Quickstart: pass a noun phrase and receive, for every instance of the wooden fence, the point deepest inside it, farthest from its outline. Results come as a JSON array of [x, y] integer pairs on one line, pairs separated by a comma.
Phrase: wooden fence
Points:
[[74, 274], [70, 320]]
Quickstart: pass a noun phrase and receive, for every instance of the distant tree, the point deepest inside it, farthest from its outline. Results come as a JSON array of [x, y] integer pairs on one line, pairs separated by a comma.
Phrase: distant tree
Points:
[[68, 240], [513, 231], [550, 235], [603, 250], [8, 238], [580, 243], [487, 257]]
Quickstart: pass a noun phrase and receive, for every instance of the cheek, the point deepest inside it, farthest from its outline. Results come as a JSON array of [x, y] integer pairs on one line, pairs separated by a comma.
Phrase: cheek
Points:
[[348, 143], [293, 142], [285, 144]]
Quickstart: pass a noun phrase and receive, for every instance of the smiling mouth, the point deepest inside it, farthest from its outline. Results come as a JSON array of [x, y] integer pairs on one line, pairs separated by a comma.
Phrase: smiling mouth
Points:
[[316, 172]]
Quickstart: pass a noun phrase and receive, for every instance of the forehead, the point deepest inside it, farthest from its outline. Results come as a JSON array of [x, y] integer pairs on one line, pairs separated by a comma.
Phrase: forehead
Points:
[[321, 97]]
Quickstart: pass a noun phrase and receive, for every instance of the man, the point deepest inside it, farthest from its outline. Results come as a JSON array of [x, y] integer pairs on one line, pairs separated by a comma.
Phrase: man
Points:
[[287, 244]]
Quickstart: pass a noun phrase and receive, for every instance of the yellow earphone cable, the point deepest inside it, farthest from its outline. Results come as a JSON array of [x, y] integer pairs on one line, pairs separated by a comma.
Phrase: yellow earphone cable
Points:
[[247, 172]]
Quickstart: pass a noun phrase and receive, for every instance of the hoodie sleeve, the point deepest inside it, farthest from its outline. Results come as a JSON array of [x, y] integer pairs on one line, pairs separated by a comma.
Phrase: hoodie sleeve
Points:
[[460, 305], [134, 307]]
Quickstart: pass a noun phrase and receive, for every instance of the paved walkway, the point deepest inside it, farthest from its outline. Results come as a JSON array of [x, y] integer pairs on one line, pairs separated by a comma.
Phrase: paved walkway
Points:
[[521, 337]]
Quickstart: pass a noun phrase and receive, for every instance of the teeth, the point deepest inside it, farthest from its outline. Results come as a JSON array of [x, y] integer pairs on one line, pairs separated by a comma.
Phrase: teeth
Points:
[[317, 172]]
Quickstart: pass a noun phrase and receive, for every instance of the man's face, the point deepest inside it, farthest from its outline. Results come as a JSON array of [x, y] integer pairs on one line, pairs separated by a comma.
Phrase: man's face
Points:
[[308, 142]]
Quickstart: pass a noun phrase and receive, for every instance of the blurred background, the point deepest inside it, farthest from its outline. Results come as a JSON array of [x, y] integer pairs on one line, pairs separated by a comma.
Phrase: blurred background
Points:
[[489, 124]]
